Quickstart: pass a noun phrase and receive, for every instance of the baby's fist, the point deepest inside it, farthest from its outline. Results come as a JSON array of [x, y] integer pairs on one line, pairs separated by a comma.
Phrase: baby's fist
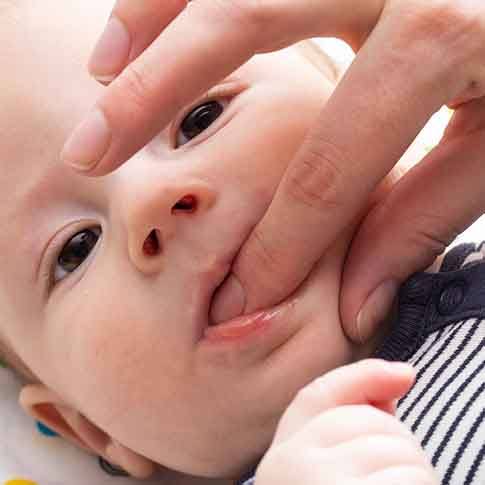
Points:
[[340, 429]]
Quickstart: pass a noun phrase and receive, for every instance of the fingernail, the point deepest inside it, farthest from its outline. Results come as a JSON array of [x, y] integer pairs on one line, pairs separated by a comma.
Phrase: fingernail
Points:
[[375, 309], [88, 143], [229, 301], [111, 51]]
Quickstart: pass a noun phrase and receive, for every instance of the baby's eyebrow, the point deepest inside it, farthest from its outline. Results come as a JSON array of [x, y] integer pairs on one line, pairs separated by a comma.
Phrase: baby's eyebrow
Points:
[[38, 188], [231, 79], [29, 200]]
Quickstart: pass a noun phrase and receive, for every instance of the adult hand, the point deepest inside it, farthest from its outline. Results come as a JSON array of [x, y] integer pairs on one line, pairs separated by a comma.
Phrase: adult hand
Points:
[[414, 56], [426, 210]]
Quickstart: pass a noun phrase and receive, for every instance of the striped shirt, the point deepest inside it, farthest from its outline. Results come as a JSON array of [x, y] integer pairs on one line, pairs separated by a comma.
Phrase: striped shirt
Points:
[[440, 330]]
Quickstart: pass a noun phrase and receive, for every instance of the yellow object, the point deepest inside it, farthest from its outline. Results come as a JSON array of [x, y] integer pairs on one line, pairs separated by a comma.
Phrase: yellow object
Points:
[[20, 481]]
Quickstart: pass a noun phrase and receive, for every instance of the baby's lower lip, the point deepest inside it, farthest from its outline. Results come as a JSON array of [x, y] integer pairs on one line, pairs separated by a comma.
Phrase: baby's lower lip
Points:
[[242, 326]]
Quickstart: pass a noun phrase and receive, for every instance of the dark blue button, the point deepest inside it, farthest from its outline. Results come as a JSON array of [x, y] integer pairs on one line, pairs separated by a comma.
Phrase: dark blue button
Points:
[[451, 297]]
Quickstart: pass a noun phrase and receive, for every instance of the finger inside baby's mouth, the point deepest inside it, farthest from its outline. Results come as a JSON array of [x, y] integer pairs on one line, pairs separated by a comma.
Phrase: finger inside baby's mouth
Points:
[[228, 301]]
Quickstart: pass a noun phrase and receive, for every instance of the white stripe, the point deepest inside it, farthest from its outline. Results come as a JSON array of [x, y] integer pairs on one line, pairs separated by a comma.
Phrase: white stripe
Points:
[[471, 450], [459, 404], [425, 378]]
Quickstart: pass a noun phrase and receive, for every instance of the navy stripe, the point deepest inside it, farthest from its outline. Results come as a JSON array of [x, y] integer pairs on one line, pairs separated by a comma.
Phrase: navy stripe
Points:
[[448, 381], [448, 405], [446, 439], [476, 464], [451, 331], [415, 364], [462, 448], [442, 368]]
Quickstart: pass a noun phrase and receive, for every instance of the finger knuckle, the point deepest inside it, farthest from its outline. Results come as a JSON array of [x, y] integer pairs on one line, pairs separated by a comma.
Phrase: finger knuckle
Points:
[[418, 474], [370, 414], [439, 17], [379, 421], [242, 13], [455, 27], [268, 258], [397, 448], [262, 253], [431, 235], [136, 87], [317, 180]]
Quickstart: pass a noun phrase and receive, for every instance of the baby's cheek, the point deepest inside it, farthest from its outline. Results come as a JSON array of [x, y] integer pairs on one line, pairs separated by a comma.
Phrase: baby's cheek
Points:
[[105, 359]]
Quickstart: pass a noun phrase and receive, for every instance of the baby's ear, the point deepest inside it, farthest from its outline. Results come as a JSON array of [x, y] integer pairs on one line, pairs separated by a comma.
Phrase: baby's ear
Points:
[[43, 404]]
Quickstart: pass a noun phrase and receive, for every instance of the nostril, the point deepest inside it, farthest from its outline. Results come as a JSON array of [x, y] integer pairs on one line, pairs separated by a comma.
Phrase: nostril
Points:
[[151, 246], [188, 203]]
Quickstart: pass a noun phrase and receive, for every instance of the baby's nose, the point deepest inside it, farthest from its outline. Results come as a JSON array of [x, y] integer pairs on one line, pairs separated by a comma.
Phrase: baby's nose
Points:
[[156, 211]]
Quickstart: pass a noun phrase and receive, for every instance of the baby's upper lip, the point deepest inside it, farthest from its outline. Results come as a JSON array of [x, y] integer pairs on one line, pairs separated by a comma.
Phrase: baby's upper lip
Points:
[[217, 272], [208, 282]]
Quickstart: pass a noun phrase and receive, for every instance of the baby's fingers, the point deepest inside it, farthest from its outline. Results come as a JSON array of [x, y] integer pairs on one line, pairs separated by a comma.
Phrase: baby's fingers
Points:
[[357, 461], [403, 475], [373, 382], [132, 27]]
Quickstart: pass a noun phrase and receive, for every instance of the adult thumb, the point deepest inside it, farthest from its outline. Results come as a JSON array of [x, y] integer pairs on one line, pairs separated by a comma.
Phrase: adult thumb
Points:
[[431, 205]]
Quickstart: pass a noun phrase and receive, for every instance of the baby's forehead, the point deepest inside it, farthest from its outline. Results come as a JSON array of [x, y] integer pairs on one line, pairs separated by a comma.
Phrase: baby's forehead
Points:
[[43, 101]]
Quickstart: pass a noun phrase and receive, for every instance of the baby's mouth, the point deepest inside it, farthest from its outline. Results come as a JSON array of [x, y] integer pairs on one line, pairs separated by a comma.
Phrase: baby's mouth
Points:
[[212, 318]]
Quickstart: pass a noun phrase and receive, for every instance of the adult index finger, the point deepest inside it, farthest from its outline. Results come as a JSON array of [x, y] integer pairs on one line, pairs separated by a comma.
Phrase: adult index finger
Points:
[[376, 111], [131, 27], [188, 58]]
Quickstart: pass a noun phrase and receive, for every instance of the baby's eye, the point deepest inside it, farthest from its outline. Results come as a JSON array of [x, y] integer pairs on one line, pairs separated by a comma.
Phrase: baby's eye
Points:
[[75, 251], [199, 119]]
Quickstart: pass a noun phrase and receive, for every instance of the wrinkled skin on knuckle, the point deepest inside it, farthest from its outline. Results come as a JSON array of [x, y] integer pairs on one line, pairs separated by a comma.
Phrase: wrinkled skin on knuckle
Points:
[[269, 261], [377, 422], [424, 236], [454, 29], [243, 14], [264, 22], [437, 17], [430, 234], [397, 448], [317, 181]]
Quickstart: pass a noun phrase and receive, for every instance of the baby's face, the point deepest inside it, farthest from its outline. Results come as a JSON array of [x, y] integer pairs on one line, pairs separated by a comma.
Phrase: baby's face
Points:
[[109, 316]]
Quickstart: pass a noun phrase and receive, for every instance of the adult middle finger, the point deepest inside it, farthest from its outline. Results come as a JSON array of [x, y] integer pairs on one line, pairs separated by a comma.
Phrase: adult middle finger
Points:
[[205, 42], [131, 27], [187, 58]]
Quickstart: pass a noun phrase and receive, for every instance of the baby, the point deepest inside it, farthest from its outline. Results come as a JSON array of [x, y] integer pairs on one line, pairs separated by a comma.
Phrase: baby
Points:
[[106, 283]]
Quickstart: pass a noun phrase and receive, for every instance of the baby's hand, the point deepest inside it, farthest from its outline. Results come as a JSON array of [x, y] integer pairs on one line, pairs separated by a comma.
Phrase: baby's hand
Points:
[[340, 429]]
